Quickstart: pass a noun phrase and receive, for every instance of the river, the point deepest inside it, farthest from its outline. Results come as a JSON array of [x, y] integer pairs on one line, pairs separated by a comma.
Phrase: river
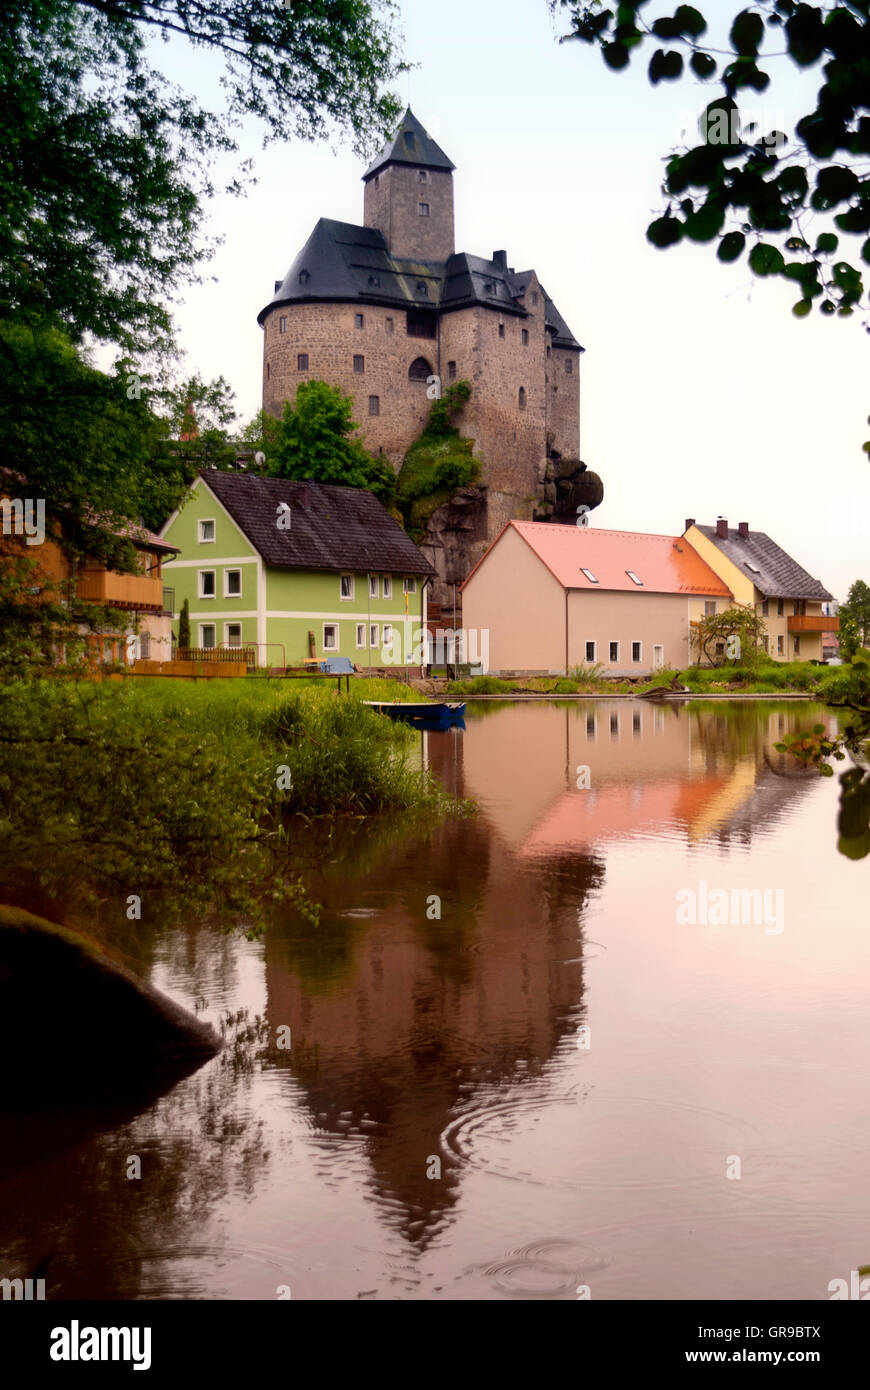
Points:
[[545, 1052]]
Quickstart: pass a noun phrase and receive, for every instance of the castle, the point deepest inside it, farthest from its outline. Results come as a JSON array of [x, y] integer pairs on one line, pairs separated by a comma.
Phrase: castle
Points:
[[378, 310]]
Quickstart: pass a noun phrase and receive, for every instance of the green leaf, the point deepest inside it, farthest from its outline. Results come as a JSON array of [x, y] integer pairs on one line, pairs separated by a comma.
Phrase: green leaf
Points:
[[765, 259], [706, 223], [747, 32], [826, 244], [865, 251], [802, 308], [665, 65], [731, 246], [665, 231], [690, 20], [702, 65], [615, 55]]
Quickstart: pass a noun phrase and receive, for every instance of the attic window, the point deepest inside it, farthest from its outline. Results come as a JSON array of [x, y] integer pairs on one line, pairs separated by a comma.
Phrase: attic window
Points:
[[589, 575], [489, 287], [304, 277], [409, 139], [754, 568], [423, 288], [534, 299], [634, 579], [374, 281]]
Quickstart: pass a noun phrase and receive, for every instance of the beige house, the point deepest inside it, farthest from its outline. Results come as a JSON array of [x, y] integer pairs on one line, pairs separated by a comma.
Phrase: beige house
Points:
[[761, 575], [553, 597]]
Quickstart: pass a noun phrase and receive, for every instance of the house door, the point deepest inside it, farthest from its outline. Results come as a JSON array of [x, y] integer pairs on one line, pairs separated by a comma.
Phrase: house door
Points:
[[658, 657]]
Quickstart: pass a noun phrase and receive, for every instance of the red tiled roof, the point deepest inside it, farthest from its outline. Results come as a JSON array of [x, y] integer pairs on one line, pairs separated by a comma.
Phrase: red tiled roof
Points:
[[665, 564]]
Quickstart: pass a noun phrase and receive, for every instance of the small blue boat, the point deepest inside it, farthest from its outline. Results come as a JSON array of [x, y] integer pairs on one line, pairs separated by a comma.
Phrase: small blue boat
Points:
[[426, 715]]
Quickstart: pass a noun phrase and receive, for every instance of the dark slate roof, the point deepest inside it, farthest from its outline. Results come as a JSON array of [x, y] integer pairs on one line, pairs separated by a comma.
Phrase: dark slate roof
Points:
[[345, 263], [332, 528], [411, 144], [779, 575]]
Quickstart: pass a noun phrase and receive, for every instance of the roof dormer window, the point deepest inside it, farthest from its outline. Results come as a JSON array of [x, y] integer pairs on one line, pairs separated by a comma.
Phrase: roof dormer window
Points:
[[423, 289], [375, 281], [409, 139], [304, 277]]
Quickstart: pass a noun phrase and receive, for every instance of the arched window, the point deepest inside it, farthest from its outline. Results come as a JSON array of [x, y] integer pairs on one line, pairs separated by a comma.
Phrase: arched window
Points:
[[419, 370], [522, 400]]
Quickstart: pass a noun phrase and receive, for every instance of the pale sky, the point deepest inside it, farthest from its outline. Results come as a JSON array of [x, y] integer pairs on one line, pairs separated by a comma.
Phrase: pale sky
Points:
[[700, 393]]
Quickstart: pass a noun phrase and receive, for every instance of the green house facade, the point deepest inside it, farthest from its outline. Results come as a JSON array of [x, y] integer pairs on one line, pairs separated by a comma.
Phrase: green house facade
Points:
[[296, 570]]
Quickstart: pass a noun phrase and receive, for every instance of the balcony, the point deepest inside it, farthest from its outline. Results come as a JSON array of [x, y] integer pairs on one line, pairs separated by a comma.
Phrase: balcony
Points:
[[120, 590], [816, 623]]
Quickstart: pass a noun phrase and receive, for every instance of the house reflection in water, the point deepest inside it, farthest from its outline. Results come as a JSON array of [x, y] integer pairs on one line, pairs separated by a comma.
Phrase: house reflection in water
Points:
[[401, 1022]]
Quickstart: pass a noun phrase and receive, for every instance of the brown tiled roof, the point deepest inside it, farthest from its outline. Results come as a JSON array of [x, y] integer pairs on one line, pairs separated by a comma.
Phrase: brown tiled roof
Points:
[[775, 573], [331, 528]]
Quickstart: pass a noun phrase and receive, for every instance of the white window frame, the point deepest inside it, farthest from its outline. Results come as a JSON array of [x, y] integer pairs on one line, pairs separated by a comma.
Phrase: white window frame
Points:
[[201, 628], [200, 575], [227, 573], [373, 586], [334, 628], [207, 521], [387, 585], [612, 660], [589, 575], [346, 598], [227, 627], [409, 584], [374, 629], [639, 659], [594, 657], [635, 578], [387, 634], [361, 628]]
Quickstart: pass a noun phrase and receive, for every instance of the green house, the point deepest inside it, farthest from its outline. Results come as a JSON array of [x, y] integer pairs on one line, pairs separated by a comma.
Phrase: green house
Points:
[[297, 571]]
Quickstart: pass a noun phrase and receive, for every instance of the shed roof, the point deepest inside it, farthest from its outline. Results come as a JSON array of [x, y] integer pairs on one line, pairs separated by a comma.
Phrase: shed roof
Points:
[[331, 528], [664, 564]]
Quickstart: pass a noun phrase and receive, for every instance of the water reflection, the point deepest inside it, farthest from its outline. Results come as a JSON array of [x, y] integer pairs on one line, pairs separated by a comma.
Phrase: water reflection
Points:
[[419, 1037]]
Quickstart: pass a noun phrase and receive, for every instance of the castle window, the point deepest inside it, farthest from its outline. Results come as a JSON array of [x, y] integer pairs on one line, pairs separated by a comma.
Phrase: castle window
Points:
[[377, 180], [569, 366], [522, 398], [388, 323], [501, 330], [302, 362], [423, 288], [548, 352], [304, 277], [489, 287], [419, 370], [422, 176], [282, 324], [451, 371], [421, 324], [534, 299], [374, 405], [375, 281], [423, 209], [359, 320], [268, 372], [525, 337], [359, 363]]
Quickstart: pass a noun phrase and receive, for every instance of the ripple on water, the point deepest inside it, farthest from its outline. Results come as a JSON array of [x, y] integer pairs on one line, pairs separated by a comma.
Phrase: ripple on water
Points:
[[544, 1269], [590, 1141]]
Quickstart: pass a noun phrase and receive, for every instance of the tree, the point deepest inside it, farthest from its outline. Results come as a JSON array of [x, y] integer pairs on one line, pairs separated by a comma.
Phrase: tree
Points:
[[738, 631], [105, 167], [313, 441], [184, 625], [855, 619], [742, 186]]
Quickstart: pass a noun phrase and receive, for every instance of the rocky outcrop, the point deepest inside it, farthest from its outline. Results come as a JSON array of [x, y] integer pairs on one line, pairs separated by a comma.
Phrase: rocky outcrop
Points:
[[77, 1022]]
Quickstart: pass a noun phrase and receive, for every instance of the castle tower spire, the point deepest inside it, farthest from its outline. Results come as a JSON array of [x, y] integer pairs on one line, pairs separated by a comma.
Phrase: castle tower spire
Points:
[[409, 194]]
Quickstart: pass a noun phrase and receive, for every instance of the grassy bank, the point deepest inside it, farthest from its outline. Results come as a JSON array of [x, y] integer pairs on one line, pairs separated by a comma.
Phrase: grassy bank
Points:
[[767, 677], [175, 798]]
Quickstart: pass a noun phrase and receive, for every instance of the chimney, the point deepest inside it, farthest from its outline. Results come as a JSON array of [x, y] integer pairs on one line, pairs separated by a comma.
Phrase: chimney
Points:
[[499, 260], [743, 530], [278, 284], [721, 528], [690, 521]]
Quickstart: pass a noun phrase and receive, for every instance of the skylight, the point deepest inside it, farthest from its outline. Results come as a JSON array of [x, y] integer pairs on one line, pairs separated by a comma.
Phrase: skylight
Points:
[[754, 568], [589, 575], [633, 577]]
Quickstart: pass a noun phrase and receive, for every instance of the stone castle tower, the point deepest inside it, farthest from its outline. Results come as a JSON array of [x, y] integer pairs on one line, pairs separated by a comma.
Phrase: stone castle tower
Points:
[[378, 309]]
